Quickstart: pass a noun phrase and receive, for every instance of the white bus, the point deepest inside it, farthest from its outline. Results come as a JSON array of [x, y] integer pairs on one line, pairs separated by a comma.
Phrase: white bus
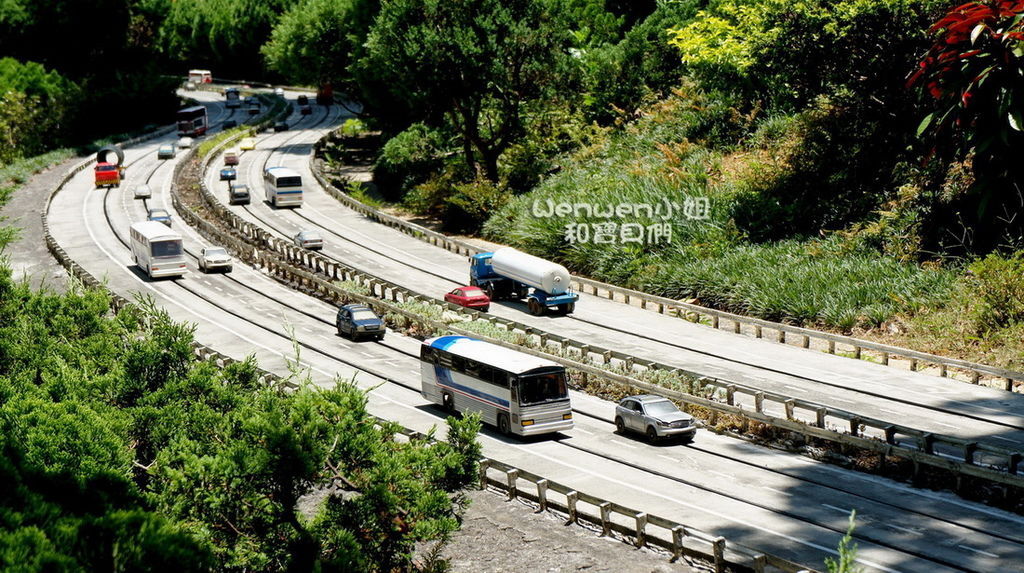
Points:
[[157, 250], [519, 393], [200, 76], [283, 186]]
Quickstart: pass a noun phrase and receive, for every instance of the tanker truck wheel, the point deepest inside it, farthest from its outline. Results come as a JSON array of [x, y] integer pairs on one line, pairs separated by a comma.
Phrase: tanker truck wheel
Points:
[[489, 291], [567, 307], [535, 307]]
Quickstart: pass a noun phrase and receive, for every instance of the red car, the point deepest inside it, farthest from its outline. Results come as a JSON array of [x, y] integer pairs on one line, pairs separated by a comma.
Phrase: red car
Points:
[[469, 297]]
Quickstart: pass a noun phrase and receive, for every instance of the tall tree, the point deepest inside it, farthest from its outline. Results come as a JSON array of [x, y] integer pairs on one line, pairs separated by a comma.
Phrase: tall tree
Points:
[[481, 64], [317, 40]]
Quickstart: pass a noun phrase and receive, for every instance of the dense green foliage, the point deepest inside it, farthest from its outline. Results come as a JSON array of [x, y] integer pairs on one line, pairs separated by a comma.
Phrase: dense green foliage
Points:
[[121, 453], [836, 281]]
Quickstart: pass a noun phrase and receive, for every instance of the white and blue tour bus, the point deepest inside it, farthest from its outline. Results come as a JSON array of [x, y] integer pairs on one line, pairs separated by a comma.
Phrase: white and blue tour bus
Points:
[[283, 186], [157, 250], [519, 393]]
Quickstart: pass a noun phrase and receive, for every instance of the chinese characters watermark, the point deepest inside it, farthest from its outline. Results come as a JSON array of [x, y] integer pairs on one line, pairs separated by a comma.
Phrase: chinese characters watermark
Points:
[[611, 232]]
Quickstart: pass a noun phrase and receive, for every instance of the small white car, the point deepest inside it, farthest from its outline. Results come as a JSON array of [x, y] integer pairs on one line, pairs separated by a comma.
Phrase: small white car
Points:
[[309, 240], [165, 151], [214, 259], [143, 191], [185, 142]]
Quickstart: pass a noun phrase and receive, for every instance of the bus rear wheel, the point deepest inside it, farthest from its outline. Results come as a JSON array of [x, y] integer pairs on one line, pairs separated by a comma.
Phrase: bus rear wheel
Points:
[[448, 403], [503, 425]]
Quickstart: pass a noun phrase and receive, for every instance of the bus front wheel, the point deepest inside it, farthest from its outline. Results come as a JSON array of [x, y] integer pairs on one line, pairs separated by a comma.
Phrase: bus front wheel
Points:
[[503, 426]]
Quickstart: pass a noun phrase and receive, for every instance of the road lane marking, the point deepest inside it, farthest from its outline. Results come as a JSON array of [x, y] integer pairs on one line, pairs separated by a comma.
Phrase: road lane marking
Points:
[[891, 526], [779, 491], [979, 551]]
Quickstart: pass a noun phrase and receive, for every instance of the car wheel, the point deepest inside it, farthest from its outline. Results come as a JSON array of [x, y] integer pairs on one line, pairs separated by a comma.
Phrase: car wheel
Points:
[[652, 434], [379, 338], [503, 426], [485, 309], [620, 426]]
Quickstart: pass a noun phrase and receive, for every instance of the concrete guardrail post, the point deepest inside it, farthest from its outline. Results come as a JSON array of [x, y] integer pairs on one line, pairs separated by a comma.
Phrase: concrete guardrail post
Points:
[[570, 503], [484, 464], [759, 402], [641, 529], [678, 532], [790, 406], [606, 518], [542, 494], [512, 476], [718, 546]]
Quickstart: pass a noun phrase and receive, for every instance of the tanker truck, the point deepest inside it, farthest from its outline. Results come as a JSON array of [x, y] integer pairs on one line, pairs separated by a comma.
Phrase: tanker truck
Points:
[[511, 274], [109, 173]]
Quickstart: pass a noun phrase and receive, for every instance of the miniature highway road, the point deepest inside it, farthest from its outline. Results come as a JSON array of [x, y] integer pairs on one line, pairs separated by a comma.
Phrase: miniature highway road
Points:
[[765, 499]]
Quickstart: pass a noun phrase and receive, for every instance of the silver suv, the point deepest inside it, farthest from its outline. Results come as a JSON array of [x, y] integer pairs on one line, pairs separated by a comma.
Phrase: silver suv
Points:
[[655, 416]]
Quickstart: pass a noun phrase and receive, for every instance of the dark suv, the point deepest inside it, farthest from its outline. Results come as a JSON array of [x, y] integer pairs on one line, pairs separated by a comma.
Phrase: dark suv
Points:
[[238, 193], [359, 321]]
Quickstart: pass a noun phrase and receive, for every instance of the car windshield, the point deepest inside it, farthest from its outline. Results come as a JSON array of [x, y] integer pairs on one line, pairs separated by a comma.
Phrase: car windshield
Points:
[[660, 408], [166, 148], [363, 314], [309, 236], [216, 252], [158, 213], [542, 388]]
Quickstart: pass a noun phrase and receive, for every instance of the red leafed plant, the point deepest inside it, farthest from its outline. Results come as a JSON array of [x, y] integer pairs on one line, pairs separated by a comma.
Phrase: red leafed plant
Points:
[[974, 79]]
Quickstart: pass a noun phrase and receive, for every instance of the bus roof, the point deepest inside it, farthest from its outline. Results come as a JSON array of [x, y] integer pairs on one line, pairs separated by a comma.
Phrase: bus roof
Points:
[[498, 356], [281, 172], [192, 109], [155, 231]]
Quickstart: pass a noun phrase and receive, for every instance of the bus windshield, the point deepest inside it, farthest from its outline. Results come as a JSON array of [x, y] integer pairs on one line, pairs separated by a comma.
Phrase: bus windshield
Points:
[[170, 248], [293, 181], [544, 387]]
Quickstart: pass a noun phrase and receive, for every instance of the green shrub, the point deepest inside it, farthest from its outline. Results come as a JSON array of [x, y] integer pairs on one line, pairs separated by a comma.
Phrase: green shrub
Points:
[[408, 159], [998, 284]]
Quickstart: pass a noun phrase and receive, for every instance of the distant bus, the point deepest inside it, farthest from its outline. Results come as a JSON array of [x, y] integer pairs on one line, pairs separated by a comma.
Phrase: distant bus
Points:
[[157, 250], [519, 393], [200, 76], [283, 187], [233, 97], [192, 121]]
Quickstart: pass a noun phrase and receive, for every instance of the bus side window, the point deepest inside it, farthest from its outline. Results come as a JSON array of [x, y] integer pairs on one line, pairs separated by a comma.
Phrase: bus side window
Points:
[[444, 359], [458, 364]]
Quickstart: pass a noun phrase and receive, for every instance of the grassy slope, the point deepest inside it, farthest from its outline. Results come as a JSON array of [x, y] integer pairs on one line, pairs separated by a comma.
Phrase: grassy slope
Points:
[[830, 282]]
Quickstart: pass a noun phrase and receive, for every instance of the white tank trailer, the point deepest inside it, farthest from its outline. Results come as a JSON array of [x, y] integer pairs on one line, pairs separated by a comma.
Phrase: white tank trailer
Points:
[[547, 276]]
